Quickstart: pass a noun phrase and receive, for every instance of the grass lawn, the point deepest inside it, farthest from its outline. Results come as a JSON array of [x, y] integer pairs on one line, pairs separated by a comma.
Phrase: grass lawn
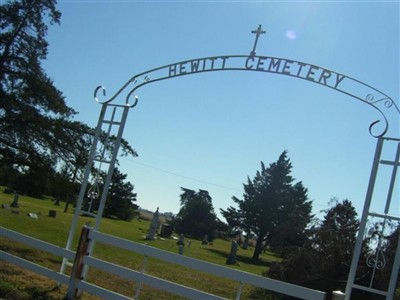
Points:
[[16, 283]]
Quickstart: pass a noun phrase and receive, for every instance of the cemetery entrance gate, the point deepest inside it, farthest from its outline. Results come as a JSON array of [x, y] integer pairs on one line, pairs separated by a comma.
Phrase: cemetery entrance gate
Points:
[[113, 117]]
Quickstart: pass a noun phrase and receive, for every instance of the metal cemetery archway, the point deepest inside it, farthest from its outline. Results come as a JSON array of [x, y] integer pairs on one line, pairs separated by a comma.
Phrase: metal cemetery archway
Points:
[[113, 117]]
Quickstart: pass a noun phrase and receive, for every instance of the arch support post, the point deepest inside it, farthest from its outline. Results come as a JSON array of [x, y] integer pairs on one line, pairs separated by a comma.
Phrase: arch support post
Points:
[[376, 259], [102, 157]]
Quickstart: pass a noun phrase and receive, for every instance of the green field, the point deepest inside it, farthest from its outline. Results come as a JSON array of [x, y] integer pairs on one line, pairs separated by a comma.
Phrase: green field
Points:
[[16, 283]]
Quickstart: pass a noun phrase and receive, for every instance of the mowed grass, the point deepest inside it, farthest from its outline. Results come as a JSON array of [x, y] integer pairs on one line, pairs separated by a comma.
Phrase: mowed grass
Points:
[[21, 284]]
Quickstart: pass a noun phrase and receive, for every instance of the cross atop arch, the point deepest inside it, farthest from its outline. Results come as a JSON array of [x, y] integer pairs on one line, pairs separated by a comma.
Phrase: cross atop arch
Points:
[[257, 32]]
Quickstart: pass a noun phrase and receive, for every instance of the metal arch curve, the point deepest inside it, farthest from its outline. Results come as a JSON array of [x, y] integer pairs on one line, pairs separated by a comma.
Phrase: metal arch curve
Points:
[[104, 94], [281, 66]]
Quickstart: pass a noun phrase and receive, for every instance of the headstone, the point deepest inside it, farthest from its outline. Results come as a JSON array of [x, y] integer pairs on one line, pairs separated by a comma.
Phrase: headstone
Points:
[[205, 240], [5, 206], [166, 230], [52, 213], [245, 244], [33, 216], [338, 295], [153, 226], [57, 202], [15, 201], [181, 244], [231, 260]]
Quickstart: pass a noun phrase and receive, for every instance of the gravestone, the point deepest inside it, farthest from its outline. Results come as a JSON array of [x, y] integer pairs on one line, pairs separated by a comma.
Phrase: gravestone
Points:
[[33, 216], [52, 213], [205, 240], [166, 230], [338, 295], [181, 244], [15, 204], [153, 226], [245, 244], [231, 260]]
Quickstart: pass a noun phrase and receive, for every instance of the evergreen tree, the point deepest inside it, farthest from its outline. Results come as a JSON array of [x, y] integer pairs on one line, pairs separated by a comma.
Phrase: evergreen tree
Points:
[[120, 201], [334, 243], [37, 132], [32, 110], [273, 208], [323, 263], [196, 217]]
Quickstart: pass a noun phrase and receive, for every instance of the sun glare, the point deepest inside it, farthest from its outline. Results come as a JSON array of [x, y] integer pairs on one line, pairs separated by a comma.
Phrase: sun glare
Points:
[[291, 34]]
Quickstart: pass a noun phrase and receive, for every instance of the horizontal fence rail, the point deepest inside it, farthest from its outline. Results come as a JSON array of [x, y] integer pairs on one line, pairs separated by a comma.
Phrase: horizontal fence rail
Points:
[[34, 267], [139, 276], [149, 280], [236, 275], [38, 244]]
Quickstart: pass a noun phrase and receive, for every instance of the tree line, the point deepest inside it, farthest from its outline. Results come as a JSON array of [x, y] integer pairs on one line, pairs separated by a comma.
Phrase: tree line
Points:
[[43, 150], [276, 212]]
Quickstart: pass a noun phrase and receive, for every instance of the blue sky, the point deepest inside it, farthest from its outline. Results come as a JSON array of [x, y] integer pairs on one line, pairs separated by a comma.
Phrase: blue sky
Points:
[[210, 131]]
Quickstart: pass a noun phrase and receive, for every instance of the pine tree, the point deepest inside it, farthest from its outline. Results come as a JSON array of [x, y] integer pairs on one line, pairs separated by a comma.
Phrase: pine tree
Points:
[[273, 208], [196, 217], [32, 110], [323, 262], [37, 131], [120, 201]]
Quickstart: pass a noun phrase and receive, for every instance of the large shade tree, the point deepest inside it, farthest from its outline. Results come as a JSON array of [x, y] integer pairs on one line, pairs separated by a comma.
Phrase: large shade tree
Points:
[[33, 111], [274, 208], [37, 130]]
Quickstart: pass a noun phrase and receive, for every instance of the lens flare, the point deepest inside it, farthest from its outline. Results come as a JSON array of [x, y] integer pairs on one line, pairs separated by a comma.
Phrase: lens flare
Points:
[[291, 34]]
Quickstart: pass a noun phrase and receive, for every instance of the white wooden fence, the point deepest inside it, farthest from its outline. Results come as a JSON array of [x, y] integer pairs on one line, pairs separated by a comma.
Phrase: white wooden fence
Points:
[[81, 260]]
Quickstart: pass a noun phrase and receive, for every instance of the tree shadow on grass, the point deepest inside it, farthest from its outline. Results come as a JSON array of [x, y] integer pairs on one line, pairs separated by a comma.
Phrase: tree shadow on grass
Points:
[[242, 258]]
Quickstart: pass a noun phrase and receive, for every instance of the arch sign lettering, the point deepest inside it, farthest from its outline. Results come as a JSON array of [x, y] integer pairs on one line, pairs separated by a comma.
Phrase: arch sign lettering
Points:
[[255, 63], [252, 62]]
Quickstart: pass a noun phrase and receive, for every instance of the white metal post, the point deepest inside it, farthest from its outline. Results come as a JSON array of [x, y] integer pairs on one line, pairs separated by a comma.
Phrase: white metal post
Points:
[[364, 218], [110, 172], [111, 168], [395, 272], [139, 283], [82, 191]]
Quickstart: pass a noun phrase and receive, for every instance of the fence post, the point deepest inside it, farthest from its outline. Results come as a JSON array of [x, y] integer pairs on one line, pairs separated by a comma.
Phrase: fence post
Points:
[[239, 291], [139, 283], [77, 268]]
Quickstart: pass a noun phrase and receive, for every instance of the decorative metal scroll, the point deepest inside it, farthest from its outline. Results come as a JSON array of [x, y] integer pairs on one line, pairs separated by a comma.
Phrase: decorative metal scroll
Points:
[[282, 66], [93, 192], [376, 258]]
